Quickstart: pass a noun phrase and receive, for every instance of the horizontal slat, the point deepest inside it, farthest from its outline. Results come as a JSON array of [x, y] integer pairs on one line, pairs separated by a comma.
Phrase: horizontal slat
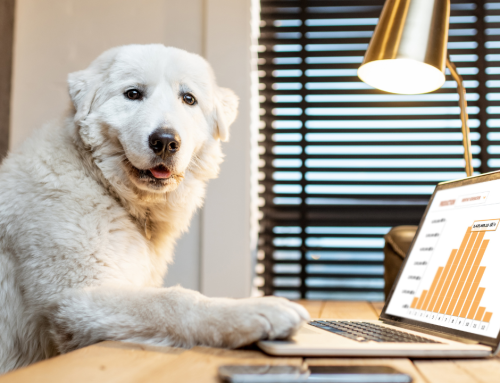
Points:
[[357, 157]]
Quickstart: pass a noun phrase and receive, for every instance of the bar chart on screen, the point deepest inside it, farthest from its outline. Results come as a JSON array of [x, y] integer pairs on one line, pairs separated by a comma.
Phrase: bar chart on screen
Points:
[[454, 296], [451, 274]]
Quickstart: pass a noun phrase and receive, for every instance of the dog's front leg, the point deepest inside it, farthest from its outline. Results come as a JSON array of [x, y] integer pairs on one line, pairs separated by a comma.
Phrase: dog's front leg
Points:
[[168, 316]]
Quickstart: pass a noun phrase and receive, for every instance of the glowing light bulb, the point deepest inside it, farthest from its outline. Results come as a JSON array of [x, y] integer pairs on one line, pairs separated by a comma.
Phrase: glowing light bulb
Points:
[[404, 76]]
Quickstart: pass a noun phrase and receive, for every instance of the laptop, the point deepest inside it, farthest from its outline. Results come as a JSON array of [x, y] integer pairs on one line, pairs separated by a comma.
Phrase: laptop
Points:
[[445, 300]]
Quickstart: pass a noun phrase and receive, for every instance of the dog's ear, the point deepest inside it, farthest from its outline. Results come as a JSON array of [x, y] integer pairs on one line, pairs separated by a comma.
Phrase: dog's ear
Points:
[[83, 85], [226, 110], [81, 91]]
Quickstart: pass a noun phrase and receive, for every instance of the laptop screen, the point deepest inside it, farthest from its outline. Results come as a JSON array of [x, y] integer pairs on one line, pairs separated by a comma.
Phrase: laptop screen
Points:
[[451, 277]]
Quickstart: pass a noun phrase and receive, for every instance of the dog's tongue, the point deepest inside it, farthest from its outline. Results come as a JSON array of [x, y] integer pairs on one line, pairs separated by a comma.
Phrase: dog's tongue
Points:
[[160, 172]]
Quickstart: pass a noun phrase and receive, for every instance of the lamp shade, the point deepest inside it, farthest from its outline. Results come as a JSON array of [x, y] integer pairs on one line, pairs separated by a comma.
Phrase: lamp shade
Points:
[[407, 52]]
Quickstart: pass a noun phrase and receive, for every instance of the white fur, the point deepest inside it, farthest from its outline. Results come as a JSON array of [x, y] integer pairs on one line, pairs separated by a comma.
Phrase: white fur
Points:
[[76, 264]]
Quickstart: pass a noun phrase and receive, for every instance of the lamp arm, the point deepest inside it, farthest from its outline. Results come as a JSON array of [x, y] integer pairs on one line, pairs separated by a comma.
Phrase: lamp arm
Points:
[[463, 116]]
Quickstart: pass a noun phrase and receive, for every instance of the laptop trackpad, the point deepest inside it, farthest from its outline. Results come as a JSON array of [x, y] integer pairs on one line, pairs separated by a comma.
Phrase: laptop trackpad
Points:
[[307, 330]]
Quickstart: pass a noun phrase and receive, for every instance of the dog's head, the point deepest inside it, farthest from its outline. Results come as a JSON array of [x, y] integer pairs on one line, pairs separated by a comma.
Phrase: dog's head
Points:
[[155, 108]]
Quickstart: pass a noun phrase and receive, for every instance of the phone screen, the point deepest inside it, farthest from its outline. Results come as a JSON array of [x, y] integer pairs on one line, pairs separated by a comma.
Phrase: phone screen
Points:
[[356, 374], [314, 374]]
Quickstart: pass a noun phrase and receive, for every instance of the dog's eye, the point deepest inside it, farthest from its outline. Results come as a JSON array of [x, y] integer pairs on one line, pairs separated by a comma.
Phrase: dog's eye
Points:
[[133, 94], [189, 99]]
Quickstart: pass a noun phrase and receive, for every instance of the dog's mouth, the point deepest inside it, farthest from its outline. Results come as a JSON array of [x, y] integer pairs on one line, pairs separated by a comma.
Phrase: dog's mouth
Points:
[[159, 173], [158, 177]]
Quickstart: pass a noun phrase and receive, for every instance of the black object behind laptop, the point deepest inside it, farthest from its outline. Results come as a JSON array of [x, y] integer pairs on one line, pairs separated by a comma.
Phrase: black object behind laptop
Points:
[[397, 243]]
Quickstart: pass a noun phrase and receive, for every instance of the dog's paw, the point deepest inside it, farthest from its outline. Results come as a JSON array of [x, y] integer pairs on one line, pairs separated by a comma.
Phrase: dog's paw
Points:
[[249, 320]]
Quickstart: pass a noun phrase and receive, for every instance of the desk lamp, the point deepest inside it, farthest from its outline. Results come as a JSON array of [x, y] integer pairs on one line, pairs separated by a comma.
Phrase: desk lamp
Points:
[[408, 54]]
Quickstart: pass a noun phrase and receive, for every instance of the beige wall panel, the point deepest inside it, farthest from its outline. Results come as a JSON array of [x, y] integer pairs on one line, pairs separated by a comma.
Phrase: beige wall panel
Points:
[[227, 265]]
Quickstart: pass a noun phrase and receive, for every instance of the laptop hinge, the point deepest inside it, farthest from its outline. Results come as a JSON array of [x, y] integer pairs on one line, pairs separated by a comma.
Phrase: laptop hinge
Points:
[[429, 332]]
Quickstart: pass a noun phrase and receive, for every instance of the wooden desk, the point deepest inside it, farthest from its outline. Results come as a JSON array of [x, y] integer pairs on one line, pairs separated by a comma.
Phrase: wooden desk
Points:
[[126, 362]]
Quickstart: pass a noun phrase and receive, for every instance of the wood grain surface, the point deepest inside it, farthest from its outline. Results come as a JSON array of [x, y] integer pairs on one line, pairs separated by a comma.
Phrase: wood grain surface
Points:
[[103, 362], [460, 371]]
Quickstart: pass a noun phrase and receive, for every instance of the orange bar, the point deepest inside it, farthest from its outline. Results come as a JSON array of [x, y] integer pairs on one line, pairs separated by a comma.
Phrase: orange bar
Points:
[[472, 293], [487, 317], [432, 306], [473, 309], [456, 303], [414, 302], [480, 313], [470, 279], [433, 288], [421, 300], [458, 271], [454, 265]]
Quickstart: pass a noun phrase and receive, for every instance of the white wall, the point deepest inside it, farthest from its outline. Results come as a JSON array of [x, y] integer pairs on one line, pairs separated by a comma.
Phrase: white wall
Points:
[[226, 216], [56, 37]]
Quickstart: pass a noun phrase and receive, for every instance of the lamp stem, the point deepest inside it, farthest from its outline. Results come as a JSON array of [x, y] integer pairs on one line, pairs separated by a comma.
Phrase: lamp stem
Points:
[[463, 116]]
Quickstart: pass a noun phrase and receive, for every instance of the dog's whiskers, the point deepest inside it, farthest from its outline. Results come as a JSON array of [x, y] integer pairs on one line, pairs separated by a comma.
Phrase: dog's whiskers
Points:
[[195, 163]]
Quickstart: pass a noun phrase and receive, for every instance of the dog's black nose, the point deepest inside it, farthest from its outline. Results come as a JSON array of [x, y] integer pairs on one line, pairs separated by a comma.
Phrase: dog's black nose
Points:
[[164, 143]]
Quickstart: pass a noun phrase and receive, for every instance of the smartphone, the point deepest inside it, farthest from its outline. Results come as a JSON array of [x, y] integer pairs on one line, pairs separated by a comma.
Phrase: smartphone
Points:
[[313, 374]]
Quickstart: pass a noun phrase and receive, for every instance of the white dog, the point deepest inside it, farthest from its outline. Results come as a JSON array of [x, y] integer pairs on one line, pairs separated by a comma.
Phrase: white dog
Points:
[[91, 207]]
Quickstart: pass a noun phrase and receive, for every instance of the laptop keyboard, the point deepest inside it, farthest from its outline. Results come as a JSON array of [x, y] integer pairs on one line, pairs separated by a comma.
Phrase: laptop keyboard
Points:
[[365, 332]]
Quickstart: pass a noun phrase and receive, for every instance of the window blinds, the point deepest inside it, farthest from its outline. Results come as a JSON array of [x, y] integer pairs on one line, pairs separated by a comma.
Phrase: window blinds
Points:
[[341, 162]]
